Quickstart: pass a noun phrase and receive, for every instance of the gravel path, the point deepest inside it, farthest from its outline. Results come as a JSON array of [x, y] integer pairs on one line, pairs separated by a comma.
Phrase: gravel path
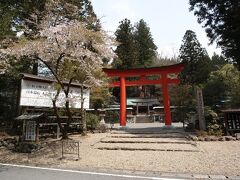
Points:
[[212, 157]]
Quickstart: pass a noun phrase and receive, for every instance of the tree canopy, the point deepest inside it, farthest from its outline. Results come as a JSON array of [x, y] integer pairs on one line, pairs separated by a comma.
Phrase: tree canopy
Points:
[[18, 14], [195, 58], [222, 88], [136, 46], [145, 45], [222, 22], [126, 50]]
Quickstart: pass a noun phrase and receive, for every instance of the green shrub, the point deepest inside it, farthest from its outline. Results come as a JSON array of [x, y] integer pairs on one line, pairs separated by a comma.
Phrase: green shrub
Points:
[[92, 121], [111, 117], [214, 127]]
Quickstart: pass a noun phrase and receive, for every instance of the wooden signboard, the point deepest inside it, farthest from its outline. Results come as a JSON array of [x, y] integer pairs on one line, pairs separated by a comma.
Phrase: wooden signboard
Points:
[[40, 94]]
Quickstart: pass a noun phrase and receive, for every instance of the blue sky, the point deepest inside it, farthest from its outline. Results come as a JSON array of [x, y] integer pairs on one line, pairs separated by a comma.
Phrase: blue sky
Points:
[[168, 21]]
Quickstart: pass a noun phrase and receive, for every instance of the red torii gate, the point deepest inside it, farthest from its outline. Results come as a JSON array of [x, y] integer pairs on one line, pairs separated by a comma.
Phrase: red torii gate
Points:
[[143, 73]]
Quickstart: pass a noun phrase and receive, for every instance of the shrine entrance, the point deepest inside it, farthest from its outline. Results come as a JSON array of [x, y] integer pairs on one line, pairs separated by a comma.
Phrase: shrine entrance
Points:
[[145, 76]]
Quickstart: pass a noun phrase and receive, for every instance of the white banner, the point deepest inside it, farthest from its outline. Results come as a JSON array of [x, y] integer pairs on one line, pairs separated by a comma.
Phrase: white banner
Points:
[[40, 94]]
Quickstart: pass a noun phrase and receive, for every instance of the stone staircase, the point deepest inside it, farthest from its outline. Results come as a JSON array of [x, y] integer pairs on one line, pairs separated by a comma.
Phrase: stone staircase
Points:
[[150, 139]]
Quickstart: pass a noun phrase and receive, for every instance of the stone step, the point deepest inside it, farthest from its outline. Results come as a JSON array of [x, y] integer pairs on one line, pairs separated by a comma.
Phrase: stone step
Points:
[[147, 147], [172, 135], [138, 140], [147, 132]]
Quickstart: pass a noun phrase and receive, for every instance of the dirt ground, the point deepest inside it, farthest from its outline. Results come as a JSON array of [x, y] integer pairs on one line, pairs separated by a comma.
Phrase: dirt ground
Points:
[[221, 158]]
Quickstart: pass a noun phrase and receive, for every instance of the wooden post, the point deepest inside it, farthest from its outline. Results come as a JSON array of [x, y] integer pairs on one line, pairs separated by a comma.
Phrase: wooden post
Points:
[[24, 130], [137, 109], [148, 110], [58, 131], [37, 131]]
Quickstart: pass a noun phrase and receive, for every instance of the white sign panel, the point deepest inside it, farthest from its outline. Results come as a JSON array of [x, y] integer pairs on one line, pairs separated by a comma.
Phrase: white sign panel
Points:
[[41, 94]]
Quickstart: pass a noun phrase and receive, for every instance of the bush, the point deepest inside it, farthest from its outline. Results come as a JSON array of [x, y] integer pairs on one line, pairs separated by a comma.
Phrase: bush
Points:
[[27, 147], [92, 121], [214, 127], [112, 117]]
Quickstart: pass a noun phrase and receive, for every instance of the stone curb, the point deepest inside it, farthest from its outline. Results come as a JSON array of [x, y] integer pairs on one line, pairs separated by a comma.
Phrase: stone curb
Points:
[[212, 138], [198, 176], [179, 176]]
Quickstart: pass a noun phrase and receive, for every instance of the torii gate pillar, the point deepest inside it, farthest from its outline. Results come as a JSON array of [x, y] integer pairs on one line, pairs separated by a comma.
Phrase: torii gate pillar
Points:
[[123, 104], [166, 101]]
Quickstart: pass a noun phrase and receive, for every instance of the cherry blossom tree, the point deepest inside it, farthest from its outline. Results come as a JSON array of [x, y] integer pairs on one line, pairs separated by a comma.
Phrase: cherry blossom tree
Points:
[[70, 50]]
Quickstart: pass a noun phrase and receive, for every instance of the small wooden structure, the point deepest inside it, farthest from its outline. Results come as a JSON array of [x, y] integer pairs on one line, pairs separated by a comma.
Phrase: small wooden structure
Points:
[[232, 121], [30, 126]]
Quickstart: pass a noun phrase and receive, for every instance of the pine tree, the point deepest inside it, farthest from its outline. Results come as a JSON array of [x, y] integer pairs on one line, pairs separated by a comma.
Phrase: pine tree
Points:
[[126, 50], [195, 58], [18, 14], [88, 15], [22, 15], [222, 22], [218, 61], [145, 45]]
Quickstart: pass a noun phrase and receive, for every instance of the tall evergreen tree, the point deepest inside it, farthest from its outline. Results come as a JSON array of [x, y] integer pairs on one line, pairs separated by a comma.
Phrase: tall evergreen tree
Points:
[[218, 61], [87, 14], [19, 14], [222, 22], [195, 58], [25, 15], [126, 50], [145, 45]]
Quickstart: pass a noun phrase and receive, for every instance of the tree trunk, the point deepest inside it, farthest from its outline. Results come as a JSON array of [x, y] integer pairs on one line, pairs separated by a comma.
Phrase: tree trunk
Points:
[[35, 67], [62, 128], [69, 114], [83, 117]]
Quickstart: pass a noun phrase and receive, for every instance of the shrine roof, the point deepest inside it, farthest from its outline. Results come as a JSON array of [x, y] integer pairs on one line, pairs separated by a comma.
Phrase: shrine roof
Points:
[[47, 79], [30, 116]]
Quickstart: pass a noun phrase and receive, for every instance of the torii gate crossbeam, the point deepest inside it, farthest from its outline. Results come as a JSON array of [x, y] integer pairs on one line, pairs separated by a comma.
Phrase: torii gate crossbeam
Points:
[[142, 74]]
